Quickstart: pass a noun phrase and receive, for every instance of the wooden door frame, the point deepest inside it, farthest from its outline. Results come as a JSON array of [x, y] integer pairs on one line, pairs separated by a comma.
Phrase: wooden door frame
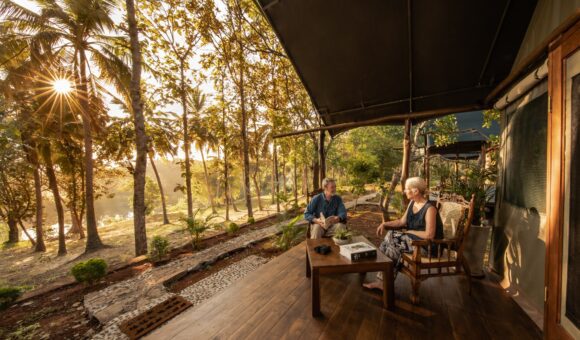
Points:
[[562, 47]]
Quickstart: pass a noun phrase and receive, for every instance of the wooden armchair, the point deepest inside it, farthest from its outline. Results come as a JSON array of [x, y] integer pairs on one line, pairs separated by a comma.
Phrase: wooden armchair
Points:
[[309, 197], [449, 252]]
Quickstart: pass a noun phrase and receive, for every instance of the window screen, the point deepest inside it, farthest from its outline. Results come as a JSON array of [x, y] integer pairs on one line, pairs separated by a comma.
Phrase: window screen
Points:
[[525, 163]]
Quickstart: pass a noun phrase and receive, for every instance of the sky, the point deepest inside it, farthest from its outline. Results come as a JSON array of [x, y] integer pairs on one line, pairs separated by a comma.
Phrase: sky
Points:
[[114, 110]]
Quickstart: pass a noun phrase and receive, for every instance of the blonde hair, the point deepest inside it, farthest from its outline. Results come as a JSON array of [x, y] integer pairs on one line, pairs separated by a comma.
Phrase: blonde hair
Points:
[[416, 183]]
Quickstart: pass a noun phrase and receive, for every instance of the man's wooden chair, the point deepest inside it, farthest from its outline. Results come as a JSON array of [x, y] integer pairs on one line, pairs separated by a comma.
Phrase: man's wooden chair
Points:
[[310, 196], [449, 252]]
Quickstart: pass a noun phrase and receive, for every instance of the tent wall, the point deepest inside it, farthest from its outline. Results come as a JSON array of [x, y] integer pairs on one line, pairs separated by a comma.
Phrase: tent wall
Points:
[[519, 241], [548, 15]]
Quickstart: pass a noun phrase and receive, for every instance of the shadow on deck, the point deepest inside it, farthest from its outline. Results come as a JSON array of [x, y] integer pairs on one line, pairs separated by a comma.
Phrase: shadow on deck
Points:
[[274, 303]]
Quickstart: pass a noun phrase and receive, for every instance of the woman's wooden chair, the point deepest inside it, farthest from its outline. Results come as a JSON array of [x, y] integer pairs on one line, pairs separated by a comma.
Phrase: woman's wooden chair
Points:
[[449, 252]]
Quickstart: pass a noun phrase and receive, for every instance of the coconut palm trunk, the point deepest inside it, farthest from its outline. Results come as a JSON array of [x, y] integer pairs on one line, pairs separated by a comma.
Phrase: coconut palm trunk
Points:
[[140, 135], [53, 184], [93, 239], [207, 184], [161, 191]]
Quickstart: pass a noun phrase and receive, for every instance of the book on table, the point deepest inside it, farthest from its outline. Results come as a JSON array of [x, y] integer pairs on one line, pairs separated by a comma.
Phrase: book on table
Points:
[[358, 251]]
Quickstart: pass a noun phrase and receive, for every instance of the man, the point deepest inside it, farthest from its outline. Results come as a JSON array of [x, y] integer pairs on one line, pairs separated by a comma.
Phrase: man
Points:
[[331, 206]]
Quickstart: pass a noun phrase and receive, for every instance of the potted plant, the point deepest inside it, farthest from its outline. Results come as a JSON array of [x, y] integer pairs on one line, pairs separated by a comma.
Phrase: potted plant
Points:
[[342, 236], [477, 181]]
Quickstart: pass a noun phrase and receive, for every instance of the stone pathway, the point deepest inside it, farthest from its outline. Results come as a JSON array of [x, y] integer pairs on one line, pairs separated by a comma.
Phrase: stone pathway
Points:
[[144, 291], [196, 293]]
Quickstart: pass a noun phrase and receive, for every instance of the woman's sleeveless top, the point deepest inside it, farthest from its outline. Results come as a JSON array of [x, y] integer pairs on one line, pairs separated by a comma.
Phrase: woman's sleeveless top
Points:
[[416, 221]]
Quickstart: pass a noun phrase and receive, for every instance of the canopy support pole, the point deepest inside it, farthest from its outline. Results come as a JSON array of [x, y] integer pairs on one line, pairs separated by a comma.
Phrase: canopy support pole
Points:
[[321, 157], [406, 156]]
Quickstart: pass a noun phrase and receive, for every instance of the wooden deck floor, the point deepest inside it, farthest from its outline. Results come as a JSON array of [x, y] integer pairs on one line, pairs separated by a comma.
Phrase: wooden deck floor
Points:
[[274, 303]]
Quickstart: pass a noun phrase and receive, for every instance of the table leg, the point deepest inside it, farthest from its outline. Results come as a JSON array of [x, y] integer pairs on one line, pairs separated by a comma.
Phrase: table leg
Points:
[[315, 293], [388, 289], [307, 265]]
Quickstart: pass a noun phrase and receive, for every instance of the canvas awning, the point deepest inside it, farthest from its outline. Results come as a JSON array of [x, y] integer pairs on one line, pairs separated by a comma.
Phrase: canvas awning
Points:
[[363, 60]]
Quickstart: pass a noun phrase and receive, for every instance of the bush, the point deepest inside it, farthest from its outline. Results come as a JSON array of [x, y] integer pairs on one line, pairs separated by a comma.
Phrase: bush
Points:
[[159, 247], [9, 295], [251, 220], [89, 271], [232, 228], [290, 233]]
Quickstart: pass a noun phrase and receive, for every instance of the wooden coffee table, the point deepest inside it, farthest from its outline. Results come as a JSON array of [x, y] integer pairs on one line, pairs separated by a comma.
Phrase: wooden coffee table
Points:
[[334, 263]]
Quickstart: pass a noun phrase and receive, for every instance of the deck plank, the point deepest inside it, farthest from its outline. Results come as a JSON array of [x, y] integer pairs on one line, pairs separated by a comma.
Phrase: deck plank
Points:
[[274, 303]]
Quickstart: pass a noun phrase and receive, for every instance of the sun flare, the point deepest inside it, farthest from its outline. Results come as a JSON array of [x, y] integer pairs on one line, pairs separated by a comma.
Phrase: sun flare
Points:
[[62, 86]]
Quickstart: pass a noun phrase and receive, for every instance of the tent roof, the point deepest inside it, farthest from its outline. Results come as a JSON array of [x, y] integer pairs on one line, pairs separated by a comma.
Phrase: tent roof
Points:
[[365, 60]]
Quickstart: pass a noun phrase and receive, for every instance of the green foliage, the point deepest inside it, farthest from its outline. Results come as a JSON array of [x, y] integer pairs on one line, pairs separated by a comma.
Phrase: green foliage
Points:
[[376, 147], [476, 181], [489, 116], [159, 247], [290, 232], [342, 234], [89, 271], [232, 228], [361, 172], [8, 295], [152, 195], [445, 130], [195, 227], [251, 220], [397, 202]]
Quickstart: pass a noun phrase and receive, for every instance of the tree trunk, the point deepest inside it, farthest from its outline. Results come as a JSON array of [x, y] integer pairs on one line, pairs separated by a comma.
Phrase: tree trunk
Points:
[[140, 135], [387, 200], [40, 246], [208, 186], [315, 175], [186, 143], [258, 191], [295, 182], [93, 240], [276, 179], [26, 233], [304, 179], [53, 184], [284, 177], [273, 182], [245, 146], [13, 233], [76, 225], [161, 191]]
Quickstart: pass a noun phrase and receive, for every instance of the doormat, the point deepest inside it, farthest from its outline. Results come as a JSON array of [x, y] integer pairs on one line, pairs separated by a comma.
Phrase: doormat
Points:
[[149, 320]]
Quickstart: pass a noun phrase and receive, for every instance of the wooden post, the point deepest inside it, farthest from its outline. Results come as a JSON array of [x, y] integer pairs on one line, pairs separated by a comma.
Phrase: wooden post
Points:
[[406, 155], [426, 161], [482, 161], [426, 170], [321, 158]]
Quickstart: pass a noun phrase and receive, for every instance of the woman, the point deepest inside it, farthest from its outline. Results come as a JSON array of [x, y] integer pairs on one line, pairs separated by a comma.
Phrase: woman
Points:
[[421, 221]]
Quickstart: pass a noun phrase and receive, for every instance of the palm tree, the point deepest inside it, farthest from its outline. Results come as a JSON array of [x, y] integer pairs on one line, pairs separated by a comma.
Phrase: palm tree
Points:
[[201, 136], [140, 135], [81, 29]]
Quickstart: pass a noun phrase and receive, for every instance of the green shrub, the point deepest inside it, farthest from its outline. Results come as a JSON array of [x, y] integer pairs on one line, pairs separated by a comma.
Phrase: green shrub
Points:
[[195, 227], [159, 247], [251, 220], [232, 228], [89, 271], [9, 295], [290, 233]]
